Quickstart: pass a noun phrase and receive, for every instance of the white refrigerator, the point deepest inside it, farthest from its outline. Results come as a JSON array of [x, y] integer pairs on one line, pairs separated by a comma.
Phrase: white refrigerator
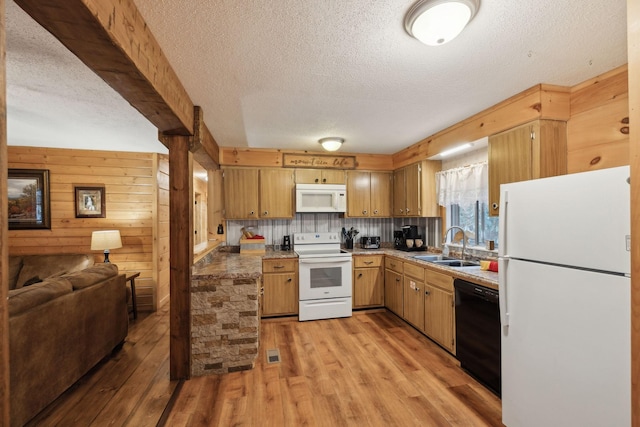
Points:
[[564, 276]]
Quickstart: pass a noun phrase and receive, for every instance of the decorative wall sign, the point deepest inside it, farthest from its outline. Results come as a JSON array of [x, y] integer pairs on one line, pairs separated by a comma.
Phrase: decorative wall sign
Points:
[[90, 202], [28, 199], [319, 161]]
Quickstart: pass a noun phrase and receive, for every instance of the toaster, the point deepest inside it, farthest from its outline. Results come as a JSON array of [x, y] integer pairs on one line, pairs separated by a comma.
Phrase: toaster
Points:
[[370, 242]]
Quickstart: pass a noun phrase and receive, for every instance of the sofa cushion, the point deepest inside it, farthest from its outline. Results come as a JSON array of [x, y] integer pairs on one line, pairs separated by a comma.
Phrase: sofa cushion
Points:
[[92, 275], [21, 300], [15, 264], [45, 266]]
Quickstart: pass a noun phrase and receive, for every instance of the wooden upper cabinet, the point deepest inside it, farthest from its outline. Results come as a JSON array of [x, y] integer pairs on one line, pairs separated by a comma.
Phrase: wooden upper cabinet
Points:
[[319, 176], [369, 194], [414, 190], [534, 150], [241, 193], [381, 187], [250, 193], [276, 193]]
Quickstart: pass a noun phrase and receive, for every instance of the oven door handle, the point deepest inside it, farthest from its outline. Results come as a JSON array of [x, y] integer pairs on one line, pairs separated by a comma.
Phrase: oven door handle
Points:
[[323, 260]]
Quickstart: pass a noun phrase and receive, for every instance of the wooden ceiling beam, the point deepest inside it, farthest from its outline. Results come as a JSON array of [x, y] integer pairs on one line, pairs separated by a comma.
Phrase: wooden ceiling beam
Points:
[[112, 39]]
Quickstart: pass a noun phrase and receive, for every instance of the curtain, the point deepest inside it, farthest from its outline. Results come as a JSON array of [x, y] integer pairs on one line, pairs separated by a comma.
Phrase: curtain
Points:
[[463, 186]]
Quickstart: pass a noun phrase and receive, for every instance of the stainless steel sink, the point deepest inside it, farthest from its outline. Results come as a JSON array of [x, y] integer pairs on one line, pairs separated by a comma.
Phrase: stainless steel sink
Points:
[[447, 261], [434, 258]]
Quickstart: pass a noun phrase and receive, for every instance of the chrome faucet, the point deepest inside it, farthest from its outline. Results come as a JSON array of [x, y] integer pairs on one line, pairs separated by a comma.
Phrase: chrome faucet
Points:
[[464, 238]]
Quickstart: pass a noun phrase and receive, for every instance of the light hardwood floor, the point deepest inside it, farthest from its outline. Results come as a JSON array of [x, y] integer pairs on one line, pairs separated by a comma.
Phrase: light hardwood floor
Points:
[[368, 370]]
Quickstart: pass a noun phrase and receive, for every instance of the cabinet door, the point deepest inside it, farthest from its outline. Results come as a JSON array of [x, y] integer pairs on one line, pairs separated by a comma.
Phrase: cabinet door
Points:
[[241, 193], [280, 294], [439, 317], [358, 194], [509, 160], [276, 193], [308, 176], [393, 298], [332, 177], [368, 287], [413, 187], [399, 203], [381, 194], [414, 302]]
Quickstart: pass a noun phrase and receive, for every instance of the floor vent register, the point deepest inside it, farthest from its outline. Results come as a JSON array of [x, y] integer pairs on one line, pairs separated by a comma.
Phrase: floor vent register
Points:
[[273, 355]]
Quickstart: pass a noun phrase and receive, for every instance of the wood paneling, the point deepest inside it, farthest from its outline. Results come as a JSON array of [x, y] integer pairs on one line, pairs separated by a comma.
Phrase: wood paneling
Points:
[[130, 190], [111, 37], [161, 249], [540, 101], [235, 156], [633, 49], [596, 137], [4, 244]]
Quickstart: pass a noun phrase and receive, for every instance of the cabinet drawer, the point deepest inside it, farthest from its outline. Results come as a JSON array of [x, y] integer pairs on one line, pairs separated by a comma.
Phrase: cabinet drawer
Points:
[[279, 265], [414, 271], [440, 280], [393, 264], [367, 261]]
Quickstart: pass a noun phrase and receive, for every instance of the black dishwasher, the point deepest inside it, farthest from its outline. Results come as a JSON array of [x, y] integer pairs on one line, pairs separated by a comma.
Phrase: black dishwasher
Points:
[[478, 332]]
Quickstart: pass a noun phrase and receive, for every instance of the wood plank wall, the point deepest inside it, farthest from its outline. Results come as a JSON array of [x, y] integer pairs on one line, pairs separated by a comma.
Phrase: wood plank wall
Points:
[[130, 199], [161, 255], [597, 133]]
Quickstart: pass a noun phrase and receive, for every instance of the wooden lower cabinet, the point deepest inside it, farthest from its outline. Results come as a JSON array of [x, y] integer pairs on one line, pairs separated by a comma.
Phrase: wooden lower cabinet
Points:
[[393, 286], [413, 296], [368, 281], [279, 291], [439, 320]]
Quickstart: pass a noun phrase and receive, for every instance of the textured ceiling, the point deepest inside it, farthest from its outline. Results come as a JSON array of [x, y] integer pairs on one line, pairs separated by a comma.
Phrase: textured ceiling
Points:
[[282, 74]]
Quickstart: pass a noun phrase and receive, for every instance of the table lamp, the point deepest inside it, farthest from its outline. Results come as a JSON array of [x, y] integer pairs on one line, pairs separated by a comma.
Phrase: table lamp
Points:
[[105, 240]]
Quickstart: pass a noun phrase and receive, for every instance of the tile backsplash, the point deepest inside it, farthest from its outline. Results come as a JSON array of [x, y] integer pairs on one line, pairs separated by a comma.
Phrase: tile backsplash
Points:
[[273, 230]]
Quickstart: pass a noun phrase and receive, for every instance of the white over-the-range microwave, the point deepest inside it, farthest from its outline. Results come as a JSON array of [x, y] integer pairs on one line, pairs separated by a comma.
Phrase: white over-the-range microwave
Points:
[[321, 198]]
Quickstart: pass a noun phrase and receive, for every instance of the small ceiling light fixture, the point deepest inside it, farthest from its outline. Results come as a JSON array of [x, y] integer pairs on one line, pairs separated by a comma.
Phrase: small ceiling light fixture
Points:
[[331, 143], [436, 22]]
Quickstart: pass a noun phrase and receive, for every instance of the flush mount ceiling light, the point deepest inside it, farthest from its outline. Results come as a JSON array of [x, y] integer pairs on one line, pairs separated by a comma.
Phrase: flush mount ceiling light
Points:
[[332, 143], [436, 22]]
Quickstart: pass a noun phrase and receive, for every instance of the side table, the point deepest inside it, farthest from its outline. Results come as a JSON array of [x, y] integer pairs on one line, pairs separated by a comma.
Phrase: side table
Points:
[[131, 278]]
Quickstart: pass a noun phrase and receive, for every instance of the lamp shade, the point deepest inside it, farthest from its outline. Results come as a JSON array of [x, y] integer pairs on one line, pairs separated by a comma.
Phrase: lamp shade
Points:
[[106, 239], [436, 22], [331, 143]]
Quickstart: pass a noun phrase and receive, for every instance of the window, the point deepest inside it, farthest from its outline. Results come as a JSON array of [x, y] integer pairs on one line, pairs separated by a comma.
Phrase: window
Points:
[[464, 193]]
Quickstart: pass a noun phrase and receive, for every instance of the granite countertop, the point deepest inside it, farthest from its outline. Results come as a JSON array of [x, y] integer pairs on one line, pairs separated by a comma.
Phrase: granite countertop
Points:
[[232, 265], [473, 274]]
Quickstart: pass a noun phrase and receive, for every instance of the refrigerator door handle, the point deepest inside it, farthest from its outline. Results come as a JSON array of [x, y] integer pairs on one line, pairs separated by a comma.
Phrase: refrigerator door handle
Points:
[[502, 224], [504, 290]]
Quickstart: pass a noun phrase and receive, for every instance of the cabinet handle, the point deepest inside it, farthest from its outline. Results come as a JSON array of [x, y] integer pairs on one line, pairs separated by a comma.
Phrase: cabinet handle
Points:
[[494, 206], [426, 292], [408, 210], [266, 213], [368, 262], [251, 213], [364, 212], [359, 275], [397, 279], [324, 180], [278, 266], [317, 180], [261, 291], [289, 279], [417, 289], [401, 210]]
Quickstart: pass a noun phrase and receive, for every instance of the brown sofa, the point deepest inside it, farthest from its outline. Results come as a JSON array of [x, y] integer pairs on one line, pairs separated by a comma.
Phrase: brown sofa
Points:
[[60, 327]]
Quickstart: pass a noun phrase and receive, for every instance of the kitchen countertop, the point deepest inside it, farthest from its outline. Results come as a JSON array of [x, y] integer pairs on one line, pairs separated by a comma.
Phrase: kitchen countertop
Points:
[[232, 265]]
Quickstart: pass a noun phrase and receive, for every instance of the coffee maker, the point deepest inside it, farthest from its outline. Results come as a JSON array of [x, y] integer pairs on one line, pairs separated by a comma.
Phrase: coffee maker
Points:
[[408, 232], [286, 243]]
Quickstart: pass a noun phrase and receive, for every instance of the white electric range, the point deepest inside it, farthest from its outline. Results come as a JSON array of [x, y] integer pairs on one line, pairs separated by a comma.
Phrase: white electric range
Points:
[[324, 272]]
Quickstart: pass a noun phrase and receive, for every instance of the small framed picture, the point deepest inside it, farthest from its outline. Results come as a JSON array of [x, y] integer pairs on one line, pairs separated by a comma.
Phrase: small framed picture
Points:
[[28, 199], [90, 202]]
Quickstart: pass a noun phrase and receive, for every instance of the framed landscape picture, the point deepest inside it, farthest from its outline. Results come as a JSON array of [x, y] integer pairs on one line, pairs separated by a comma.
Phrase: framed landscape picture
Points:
[[28, 199], [90, 202]]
